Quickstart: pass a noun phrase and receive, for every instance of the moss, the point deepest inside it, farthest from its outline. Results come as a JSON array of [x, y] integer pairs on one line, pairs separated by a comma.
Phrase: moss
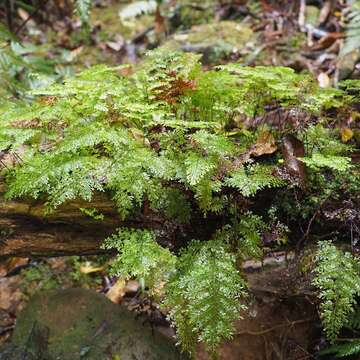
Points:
[[215, 41], [83, 324]]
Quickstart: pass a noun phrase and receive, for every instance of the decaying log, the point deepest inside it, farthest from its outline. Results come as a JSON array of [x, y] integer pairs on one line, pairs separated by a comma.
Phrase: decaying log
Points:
[[25, 230]]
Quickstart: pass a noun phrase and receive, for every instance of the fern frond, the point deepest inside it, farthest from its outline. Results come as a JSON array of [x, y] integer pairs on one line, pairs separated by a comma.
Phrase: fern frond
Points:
[[82, 9], [337, 163], [351, 16], [342, 350], [249, 180], [140, 256], [337, 278], [204, 294]]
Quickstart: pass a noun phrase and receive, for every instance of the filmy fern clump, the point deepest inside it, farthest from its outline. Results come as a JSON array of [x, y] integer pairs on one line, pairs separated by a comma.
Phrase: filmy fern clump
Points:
[[170, 139], [337, 278]]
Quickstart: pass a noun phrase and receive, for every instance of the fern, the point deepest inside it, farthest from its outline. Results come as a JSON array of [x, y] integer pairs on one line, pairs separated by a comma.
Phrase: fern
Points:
[[351, 16], [140, 257], [82, 9], [338, 163], [350, 348], [248, 180], [203, 295], [337, 278], [168, 140]]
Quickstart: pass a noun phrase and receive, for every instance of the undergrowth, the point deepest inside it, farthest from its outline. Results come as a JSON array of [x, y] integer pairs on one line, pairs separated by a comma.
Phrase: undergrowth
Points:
[[167, 139]]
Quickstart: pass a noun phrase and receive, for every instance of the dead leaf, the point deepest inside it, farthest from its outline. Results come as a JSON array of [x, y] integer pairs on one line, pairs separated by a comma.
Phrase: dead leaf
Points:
[[292, 149], [24, 15], [11, 264], [88, 268], [264, 145], [327, 40], [75, 53], [10, 293], [346, 134], [117, 44], [324, 80], [159, 21], [132, 287], [117, 291]]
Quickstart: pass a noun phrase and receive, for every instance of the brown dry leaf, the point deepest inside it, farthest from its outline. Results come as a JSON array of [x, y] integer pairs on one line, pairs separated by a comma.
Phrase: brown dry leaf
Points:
[[159, 21], [117, 44], [346, 134], [117, 291], [327, 40], [126, 70], [324, 80], [292, 149], [11, 264], [132, 286], [265, 144], [88, 268], [24, 15], [75, 53], [58, 264]]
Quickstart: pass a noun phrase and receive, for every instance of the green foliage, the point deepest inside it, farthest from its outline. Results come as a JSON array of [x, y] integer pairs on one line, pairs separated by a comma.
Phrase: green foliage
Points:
[[325, 149], [82, 9], [337, 278], [351, 347], [243, 234], [347, 347], [140, 256], [88, 127], [338, 163], [202, 285], [93, 213], [203, 295], [249, 180], [167, 141], [351, 15]]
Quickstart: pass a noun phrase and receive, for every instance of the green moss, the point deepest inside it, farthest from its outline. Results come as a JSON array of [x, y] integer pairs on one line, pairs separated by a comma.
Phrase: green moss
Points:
[[215, 41]]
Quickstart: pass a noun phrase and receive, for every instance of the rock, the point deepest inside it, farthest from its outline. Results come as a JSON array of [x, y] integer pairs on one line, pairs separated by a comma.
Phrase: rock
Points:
[[214, 41], [82, 324]]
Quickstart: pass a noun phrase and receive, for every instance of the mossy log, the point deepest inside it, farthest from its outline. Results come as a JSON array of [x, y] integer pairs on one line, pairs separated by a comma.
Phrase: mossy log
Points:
[[25, 229]]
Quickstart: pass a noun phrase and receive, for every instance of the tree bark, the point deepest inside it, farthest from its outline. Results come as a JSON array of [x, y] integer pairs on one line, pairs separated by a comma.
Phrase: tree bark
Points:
[[25, 230]]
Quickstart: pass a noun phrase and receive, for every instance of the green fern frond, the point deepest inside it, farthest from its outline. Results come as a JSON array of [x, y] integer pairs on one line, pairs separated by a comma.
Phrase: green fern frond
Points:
[[204, 294], [337, 163], [249, 180], [351, 16], [343, 350], [82, 9], [337, 278], [140, 256]]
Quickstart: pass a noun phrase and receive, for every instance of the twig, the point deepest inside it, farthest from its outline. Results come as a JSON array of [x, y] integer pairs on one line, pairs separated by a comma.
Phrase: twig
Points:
[[265, 331], [6, 329], [8, 8], [301, 19], [307, 232], [30, 17]]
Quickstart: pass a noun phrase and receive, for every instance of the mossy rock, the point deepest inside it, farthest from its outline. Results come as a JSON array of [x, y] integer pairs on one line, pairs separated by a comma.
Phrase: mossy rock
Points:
[[82, 324], [214, 41]]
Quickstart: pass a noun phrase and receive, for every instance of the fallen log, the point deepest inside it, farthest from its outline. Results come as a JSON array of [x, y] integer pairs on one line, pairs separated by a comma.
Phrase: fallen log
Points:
[[25, 229]]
